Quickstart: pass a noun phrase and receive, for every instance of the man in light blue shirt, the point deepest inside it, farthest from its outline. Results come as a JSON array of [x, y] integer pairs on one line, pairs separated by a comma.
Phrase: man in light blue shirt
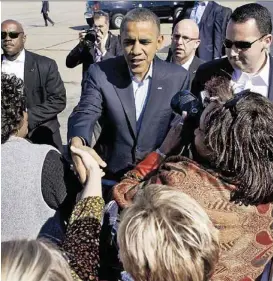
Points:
[[198, 10]]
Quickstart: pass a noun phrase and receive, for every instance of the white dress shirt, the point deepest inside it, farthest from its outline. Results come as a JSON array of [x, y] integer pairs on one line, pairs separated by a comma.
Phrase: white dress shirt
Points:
[[198, 10], [15, 67], [141, 90], [187, 64], [257, 82]]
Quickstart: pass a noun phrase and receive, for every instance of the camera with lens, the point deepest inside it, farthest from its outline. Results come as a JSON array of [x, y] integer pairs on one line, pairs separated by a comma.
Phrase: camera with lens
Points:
[[90, 37], [186, 101]]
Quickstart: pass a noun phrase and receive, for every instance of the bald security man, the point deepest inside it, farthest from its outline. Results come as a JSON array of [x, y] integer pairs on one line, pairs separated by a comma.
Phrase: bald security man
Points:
[[43, 86], [185, 41]]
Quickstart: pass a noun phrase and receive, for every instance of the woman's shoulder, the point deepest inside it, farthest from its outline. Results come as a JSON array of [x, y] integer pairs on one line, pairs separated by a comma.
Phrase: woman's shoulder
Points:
[[185, 168]]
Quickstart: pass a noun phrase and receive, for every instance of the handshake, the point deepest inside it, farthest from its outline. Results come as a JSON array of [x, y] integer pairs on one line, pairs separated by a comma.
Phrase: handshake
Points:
[[86, 162], [188, 110]]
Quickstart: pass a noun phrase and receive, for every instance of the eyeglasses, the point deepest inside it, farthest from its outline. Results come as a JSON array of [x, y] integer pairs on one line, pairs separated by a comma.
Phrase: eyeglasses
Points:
[[240, 44], [185, 39], [12, 34]]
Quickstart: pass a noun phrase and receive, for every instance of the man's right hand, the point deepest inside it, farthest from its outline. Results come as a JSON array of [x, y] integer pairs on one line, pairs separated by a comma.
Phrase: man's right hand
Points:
[[77, 161], [82, 35]]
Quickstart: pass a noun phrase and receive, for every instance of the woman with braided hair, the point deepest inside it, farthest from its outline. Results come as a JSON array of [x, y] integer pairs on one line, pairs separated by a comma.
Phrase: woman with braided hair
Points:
[[232, 179]]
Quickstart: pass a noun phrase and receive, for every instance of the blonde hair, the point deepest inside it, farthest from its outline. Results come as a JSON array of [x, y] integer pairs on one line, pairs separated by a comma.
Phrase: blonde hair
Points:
[[33, 260], [166, 235]]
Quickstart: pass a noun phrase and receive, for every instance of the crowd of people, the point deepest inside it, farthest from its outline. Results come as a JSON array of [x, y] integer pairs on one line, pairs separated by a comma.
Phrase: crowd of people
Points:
[[169, 169]]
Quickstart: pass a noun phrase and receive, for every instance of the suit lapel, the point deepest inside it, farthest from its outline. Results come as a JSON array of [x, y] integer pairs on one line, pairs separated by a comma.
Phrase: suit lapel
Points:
[[194, 65], [125, 92], [270, 87], [29, 70], [206, 13]]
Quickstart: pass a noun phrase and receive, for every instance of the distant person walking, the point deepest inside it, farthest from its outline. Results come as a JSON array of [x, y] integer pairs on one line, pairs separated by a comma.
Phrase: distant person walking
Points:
[[45, 11]]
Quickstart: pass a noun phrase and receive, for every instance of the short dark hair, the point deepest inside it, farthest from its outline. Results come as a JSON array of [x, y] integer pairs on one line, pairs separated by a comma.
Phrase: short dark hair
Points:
[[254, 11], [13, 105], [99, 14], [240, 140], [139, 15]]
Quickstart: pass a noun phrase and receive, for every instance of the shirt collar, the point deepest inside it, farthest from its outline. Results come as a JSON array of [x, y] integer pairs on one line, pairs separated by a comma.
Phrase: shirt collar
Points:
[[187, 64], [263, 73], [20, 58], [147, 76]]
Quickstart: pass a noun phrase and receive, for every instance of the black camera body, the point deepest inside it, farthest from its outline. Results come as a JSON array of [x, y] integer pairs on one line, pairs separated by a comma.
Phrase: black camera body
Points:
[[90, 37], [186, 101]]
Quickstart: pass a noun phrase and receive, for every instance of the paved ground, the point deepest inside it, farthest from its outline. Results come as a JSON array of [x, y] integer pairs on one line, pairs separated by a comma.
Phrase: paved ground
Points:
[[56, 42]]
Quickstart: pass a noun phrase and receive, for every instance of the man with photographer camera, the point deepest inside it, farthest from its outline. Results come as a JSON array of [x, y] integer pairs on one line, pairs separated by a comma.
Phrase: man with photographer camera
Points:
[[96, 44]]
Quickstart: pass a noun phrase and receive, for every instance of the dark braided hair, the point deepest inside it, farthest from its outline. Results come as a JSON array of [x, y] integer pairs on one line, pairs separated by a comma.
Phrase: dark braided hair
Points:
[[240, 138], [13, 104]]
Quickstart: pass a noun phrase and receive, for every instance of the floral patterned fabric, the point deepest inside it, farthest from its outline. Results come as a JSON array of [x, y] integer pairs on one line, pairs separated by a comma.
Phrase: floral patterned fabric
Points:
[[81, 244], [246, 232]]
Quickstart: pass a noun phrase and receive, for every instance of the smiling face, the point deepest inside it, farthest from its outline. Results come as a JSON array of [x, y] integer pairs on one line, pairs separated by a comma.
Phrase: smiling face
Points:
[[12, 47], [140, 41], [252, 59]]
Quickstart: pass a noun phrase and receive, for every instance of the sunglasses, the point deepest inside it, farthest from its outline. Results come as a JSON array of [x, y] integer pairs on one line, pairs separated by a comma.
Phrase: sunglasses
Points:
[[240, 44], [12, 34]]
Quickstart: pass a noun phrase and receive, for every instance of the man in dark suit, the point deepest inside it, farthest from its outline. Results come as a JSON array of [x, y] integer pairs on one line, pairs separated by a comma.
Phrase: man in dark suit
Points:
[[44, 88], [45, 11], [130, 95], [248, 64], [226, 13], [208, 16], [97, 46], [185, 41]]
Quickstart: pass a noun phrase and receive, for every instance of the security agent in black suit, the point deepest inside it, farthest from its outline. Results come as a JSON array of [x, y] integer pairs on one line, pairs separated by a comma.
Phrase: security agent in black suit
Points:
[[44, 88], [185, 41], [114, 93], [210, 28], [96, 45], [248, 39]]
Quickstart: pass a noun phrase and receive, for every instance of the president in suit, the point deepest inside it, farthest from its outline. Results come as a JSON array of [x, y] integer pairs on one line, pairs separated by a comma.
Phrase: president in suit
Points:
[[185, 41], [209, 17], [130, 96], [248, 64], [44, 88]]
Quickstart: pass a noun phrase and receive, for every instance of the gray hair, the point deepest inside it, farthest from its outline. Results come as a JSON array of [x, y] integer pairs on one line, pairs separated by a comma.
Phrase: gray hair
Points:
[[139, 15]]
